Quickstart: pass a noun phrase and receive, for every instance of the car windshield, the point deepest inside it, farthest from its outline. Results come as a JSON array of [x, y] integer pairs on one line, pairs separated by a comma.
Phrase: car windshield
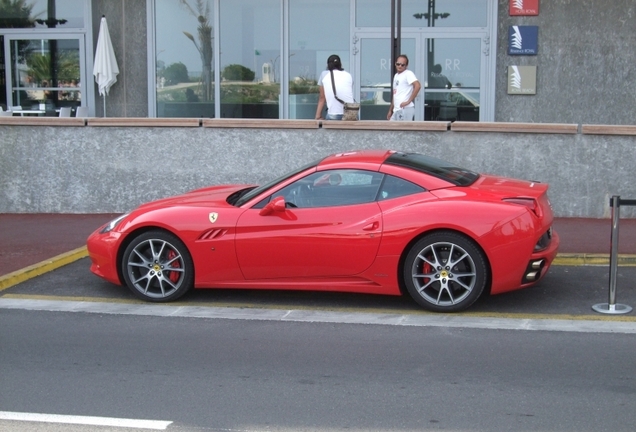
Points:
[[248, 194], [435, 167]]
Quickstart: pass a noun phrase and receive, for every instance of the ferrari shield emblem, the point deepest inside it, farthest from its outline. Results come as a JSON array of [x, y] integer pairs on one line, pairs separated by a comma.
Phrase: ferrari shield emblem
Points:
[[213, 217]]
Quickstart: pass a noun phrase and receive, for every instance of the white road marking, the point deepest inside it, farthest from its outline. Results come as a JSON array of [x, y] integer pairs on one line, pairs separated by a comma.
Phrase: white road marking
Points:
[[317, 316], [85, 420]]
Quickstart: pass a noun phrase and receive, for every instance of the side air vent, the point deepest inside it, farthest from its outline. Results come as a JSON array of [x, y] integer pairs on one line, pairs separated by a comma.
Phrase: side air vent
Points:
[[212, 234]]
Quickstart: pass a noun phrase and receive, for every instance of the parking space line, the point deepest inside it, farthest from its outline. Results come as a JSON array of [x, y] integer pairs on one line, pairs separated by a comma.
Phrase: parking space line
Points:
[[85, 420], [42, 267]]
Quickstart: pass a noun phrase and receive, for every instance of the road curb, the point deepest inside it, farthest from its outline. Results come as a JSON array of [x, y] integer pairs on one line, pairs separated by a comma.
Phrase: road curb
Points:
[[42, 267]]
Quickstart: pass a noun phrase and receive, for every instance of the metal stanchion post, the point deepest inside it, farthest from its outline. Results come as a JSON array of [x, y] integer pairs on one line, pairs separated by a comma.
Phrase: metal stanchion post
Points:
[[611, 307]]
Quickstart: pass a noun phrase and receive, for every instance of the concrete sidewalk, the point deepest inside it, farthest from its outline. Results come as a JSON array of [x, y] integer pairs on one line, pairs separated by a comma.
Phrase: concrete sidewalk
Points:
[[32, 239]]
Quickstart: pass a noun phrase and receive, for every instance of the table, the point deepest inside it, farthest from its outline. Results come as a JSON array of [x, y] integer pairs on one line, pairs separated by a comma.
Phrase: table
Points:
[[22, 112]]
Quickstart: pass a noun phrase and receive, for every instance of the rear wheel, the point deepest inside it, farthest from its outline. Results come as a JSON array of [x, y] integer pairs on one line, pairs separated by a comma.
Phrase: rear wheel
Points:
[[157, 267], [445, 272]]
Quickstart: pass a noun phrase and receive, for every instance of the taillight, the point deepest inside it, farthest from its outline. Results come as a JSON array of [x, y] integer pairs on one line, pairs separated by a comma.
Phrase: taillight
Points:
[[531, 203]]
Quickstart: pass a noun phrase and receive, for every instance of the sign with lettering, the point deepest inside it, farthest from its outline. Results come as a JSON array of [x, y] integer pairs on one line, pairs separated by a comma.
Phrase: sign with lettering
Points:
[[524, 7], [523, 40], [522, 80]]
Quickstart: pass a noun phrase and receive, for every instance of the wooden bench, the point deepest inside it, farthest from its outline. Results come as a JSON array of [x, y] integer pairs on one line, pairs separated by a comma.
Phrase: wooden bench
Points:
[[608, 130], [260, 123], [42, 121], [505, 127], [436, 126], [143, 122]]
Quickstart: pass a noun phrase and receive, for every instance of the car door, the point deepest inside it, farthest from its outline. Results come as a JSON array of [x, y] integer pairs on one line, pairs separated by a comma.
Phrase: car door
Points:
[[331, 226]]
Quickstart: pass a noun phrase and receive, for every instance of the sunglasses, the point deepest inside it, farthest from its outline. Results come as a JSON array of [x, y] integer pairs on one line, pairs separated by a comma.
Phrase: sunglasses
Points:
[[400, 64]]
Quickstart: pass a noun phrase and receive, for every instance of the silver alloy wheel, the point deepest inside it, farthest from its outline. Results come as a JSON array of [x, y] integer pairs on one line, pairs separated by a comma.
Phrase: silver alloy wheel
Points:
[[156, 268], [444, 274]]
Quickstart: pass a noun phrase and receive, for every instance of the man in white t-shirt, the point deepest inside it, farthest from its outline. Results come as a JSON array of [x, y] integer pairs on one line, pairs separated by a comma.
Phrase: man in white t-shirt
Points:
[[343, 83], [405, 90]]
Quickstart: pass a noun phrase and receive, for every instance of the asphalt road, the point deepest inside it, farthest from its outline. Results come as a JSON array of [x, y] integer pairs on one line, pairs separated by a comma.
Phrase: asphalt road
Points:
[[254, 375], [228, 360]]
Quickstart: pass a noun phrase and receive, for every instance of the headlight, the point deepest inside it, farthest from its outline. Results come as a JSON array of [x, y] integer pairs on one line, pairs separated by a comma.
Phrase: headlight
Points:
[[112, 224]]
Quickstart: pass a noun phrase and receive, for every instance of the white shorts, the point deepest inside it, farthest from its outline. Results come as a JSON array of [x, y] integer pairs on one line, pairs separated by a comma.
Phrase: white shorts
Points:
[[404, 114]]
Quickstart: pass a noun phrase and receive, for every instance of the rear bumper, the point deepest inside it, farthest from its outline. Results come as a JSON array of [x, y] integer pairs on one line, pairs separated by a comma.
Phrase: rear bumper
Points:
[[535, 271]]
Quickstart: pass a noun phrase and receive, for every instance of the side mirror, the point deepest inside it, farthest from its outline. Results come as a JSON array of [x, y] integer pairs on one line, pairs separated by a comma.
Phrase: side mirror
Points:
[[275, 205]]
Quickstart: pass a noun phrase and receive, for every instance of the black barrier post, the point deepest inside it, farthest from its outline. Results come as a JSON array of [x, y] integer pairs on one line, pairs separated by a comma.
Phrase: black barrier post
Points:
[[611, 307]]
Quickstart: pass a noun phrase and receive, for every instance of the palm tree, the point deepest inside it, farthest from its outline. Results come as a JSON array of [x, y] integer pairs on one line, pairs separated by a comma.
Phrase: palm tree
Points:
[[204, 45], [16, 14]]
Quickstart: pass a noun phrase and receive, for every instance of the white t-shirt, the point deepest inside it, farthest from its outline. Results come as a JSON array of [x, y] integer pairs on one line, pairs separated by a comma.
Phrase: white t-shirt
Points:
[[344, 89], [403, 88]]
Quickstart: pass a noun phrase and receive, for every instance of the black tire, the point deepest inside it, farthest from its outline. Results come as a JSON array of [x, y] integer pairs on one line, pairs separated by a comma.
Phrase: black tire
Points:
[[157, 267], [445, 272]]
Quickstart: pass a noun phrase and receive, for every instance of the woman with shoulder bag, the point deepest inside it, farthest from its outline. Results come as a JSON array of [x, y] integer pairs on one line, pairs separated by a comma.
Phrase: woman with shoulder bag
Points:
[[336, 89]]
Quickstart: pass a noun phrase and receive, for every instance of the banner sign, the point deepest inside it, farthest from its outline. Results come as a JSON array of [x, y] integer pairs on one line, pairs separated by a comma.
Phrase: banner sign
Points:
[[523, 40], [522, 80], [524, 7]]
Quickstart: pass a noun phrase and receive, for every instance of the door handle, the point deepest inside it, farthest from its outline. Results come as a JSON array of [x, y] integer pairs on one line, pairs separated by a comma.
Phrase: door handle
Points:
[[372, 226]]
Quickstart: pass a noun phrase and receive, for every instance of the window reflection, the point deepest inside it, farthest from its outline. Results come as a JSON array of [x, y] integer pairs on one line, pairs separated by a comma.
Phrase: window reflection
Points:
[[251, 63], [63, 14], [453, 79], [444, 13], [185, 58], [310, 46], [373, 13], [45, 73]]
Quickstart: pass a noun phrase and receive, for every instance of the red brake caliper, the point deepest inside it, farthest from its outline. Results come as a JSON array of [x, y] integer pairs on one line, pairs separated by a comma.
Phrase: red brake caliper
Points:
[[174, 276], [426, 269]]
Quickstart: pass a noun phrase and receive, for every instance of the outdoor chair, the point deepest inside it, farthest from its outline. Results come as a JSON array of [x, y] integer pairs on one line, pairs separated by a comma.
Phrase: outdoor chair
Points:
[[81, 111]]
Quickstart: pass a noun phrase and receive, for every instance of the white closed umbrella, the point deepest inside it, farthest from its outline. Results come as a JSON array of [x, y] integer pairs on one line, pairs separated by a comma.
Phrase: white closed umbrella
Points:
[[105, 67]]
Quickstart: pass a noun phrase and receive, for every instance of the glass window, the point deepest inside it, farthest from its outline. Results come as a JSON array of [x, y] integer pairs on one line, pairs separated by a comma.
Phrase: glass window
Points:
[[373, 13], [434, 167], [45, 74], [310, 46], [394, 187], [332, 188], [444, 13], [60, 14], [184, 58], [250, 60]]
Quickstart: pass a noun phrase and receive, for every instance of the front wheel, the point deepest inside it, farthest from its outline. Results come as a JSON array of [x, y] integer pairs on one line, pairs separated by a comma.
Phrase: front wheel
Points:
[[445, 272], [157, 267]]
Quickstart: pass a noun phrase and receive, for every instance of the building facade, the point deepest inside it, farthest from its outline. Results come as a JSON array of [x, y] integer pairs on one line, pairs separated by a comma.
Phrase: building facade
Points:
[[261, 58]]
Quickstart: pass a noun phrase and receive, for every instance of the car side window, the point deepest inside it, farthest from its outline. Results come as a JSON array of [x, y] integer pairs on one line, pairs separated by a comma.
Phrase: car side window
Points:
[[332, 188], [394, 187]]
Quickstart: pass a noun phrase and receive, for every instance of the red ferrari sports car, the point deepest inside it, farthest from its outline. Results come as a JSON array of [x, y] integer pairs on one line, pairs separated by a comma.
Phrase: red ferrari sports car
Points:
[[380, 222]]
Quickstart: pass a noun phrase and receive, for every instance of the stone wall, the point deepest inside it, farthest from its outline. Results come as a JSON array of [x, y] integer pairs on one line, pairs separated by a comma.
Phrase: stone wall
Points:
[[112, 165], [585, 59]]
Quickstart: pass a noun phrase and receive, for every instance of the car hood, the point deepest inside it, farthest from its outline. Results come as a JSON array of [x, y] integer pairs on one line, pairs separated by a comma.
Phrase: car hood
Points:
[[208, 197]]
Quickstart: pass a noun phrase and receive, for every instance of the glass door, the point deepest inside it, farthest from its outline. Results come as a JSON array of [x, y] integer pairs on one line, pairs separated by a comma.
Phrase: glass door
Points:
[[452, 78], [450, 70], [373, 76]]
